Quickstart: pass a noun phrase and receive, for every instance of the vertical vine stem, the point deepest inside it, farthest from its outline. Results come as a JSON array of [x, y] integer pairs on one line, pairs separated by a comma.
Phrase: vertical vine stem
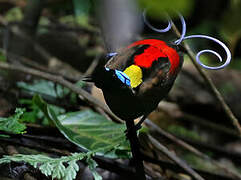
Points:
[[135, 150], [210, 83]]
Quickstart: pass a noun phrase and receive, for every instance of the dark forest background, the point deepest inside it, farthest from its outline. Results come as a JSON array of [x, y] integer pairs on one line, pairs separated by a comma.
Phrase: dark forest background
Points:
[[62, 40]]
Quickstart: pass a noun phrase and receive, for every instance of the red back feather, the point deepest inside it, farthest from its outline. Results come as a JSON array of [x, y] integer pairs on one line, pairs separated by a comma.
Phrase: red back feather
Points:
[[156, 49]]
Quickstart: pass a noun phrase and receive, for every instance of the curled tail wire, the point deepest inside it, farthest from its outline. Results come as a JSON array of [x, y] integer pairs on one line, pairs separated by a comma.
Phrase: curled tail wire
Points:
[[184, 37]]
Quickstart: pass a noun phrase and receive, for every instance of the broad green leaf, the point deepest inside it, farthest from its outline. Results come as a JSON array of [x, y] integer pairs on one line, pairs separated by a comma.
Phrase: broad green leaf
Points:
[[44, 87], [90, 131], [49, 89], [93, 132], [12, 124]]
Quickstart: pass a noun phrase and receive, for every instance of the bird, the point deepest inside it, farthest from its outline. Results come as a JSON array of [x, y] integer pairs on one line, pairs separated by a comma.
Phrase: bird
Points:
[[136, 78]]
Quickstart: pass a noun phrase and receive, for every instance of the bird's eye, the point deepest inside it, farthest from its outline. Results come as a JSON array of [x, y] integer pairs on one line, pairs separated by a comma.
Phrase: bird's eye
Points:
[[110, 55]]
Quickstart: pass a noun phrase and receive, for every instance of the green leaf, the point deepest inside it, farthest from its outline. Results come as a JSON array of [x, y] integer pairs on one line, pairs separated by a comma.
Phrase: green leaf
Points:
[[92, 166], [45, 87], [54, 167], [49, 89], [58, 170], [71, 170], [46, 169], [35, 115], [12, 124], [90, 131]]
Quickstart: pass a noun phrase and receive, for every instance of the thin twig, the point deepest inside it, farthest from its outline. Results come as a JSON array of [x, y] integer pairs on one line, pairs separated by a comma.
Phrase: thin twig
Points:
[[210, 125], [174, 139], [45, 54], [171, 166], [169, 108], [58, 79], [38, 66], [210, 84], [92, 66], [191, 149], [174, 158], [43, 68]]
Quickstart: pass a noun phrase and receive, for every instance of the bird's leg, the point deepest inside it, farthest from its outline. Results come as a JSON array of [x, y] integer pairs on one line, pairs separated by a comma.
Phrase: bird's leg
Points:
[[131, 135], [136, 127]]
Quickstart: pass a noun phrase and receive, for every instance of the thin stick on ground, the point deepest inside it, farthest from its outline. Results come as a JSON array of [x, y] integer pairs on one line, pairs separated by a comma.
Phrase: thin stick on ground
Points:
[[191, 149], [210, 84], [174, 158]]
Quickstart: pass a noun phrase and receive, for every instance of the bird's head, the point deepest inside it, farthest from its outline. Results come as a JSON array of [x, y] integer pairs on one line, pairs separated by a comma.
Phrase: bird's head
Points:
[[106, 78]]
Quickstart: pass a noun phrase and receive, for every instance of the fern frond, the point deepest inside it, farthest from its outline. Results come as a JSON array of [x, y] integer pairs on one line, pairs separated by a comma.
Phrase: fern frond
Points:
[[65, 167]]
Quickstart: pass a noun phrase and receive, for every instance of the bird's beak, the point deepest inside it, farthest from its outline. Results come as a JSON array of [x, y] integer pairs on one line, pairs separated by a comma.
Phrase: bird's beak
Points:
[[87, 79]]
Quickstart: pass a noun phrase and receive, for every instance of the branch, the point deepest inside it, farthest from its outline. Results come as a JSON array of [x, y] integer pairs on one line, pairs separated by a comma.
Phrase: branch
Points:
[[174, 158], [178, 169], [210, 84], [38, 66], [191, 149], [44, 54], [169, 108], [58, 79]]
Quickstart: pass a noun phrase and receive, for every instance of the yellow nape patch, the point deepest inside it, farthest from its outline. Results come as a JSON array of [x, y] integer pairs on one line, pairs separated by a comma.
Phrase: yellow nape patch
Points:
[[135, 74]]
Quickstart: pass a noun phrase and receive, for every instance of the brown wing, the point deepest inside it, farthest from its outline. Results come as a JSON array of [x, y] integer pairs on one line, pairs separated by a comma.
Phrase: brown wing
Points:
[[125, 57]]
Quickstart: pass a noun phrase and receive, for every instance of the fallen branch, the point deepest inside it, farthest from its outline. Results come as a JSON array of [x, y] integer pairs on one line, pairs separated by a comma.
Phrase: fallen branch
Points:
[[174, 158], [178, 169], [190, 148]]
